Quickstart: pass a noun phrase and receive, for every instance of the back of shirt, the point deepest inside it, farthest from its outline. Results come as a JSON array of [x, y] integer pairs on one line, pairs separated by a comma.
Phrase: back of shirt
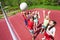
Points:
[[51, 31]]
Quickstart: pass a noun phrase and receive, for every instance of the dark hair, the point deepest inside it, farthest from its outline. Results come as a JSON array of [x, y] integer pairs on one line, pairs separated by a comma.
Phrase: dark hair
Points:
[[28, 13], [37, 15], [24, 13], [32, 17], [54, 22]]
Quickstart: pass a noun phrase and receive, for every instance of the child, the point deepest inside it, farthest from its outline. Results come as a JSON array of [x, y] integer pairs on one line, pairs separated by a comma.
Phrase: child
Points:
[[46, 20], [30, 25], [50, 31], [25, 17], [28, 16], [36, 17]]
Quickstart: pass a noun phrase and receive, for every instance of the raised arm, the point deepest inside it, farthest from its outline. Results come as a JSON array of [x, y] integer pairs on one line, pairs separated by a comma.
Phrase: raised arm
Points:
[[44, 13], [49, 13], [38, 14]]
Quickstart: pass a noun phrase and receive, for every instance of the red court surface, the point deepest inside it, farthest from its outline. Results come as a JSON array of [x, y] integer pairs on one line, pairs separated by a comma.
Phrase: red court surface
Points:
[[18, 25]]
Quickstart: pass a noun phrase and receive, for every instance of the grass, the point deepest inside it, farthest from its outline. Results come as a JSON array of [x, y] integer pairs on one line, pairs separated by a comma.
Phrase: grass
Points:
[[9, 14], [45, 6], [1, 16], [32, 7]]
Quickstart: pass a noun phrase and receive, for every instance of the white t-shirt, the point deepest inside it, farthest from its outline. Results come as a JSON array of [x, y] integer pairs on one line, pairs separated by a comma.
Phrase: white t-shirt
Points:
[[51, 31], [45, 22], [36, 19]]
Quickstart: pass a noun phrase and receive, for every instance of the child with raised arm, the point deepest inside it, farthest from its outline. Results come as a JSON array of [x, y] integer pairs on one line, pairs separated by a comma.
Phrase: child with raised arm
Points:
[[36, 17], [30, 25], [50, 31], [46, 20], [25, 17]]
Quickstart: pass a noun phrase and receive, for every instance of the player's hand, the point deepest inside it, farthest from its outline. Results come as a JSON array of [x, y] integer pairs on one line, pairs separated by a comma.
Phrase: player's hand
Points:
[[49, 12], [43, 11]]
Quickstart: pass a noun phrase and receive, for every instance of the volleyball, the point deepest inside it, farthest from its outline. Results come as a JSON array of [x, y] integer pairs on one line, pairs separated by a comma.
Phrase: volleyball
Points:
[[23, 6]]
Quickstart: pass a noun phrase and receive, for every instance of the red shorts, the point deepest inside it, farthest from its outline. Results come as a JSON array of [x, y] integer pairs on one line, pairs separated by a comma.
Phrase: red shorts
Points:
[[48, 37], [30, 24]]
